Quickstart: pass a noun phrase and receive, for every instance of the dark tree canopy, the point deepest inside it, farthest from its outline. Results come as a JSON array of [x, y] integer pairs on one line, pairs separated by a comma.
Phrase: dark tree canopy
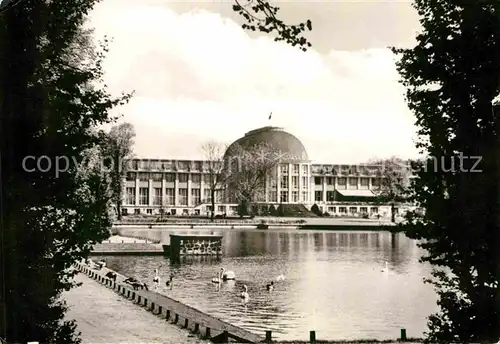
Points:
[[51, 101], [452, 76]]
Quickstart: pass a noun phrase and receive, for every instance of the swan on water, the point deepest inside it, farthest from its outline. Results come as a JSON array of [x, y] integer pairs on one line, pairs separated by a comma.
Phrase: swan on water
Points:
[[386, 269], [270, 286], [224, 275], [280, 278], [244, 294]]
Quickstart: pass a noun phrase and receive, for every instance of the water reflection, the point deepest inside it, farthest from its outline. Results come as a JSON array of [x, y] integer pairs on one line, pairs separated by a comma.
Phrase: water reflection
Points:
[[333, 282]]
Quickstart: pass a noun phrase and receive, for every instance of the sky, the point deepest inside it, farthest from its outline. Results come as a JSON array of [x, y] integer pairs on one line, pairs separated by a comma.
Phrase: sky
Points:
[[198, 76]]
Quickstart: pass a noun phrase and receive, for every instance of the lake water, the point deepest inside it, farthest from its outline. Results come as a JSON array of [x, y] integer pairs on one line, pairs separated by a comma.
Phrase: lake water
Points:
[[333, 284]]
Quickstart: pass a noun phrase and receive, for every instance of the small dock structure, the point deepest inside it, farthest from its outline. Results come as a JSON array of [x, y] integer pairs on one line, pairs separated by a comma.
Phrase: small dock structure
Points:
[[193, 245]]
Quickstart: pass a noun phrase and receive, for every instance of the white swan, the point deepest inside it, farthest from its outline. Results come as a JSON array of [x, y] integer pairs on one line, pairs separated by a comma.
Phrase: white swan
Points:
[[244, 294], [270, 286], [224, 276], [280, 278], [386, 269]]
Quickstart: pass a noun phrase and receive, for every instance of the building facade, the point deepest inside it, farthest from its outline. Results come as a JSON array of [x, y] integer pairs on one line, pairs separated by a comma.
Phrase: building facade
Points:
[[182, 187]]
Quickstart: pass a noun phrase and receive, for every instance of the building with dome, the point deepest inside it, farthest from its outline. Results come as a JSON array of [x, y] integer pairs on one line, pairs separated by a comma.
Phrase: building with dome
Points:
[[182, 187]]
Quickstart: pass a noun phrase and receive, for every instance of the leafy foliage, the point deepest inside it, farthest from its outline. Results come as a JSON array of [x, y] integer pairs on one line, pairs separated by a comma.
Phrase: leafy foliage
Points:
[[262, 16], [452, 76], [315, 210], [118, 150], [395, 182], [272, 210], [51, 100]]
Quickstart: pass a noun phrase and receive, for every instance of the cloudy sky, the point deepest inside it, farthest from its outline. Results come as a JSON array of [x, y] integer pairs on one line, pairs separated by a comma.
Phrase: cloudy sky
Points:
[[198, 76]]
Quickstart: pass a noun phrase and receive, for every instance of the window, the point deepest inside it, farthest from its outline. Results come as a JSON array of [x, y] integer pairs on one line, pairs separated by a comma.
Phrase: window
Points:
[[158, 197], [305, 197], [196, 178], [374, 210], [295, 182], [284, 168], [170, 177], [183, 177], [195, 197], [207, 195], [271, 182], [353, 210], [183, 196], [124, 211], [342, 210], [284, 182], [149, 211], [137, 211], [173, 211], [332, 209], [317, 181], [329, 180], [135, 165], [284, 196], [363, 210], [144, 164], [318, 196], [353, 181], [305, 182], [170, 196], [330, 196], [157, 177], [221, 209], [296, 169], [130, 196], [365, 181], [376, 182], [143, 196], [206, 179], [143, 176], [342, 181], [131, 176], [295, 196], [273, 196], [305, 169], [155, 165]]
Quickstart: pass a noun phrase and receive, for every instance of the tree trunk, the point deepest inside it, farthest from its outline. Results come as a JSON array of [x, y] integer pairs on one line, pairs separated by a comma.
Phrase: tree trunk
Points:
[[118, 184], [393, 212], [212, 212]]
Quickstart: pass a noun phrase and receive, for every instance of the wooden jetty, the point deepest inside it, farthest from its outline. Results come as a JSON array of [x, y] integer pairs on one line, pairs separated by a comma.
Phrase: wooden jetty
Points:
[[175, 312]]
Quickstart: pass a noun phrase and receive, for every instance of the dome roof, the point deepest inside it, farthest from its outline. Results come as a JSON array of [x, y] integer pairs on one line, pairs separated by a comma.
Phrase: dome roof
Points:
[[278, 139]]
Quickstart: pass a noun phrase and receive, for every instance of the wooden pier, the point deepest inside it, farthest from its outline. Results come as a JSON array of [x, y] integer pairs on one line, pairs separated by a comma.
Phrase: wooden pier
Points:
[[175, 312]]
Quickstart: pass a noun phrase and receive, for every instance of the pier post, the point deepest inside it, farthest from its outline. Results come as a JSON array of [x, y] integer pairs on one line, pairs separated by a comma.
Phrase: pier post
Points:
[[138, 299], [145, 302], [176, 318], [403, 335], [160, 310], [152, 307], [269, 335], [312, 337], [186, 323], [208, 332], [133, 295], [196, 328], [128, 294], [167, 316]]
